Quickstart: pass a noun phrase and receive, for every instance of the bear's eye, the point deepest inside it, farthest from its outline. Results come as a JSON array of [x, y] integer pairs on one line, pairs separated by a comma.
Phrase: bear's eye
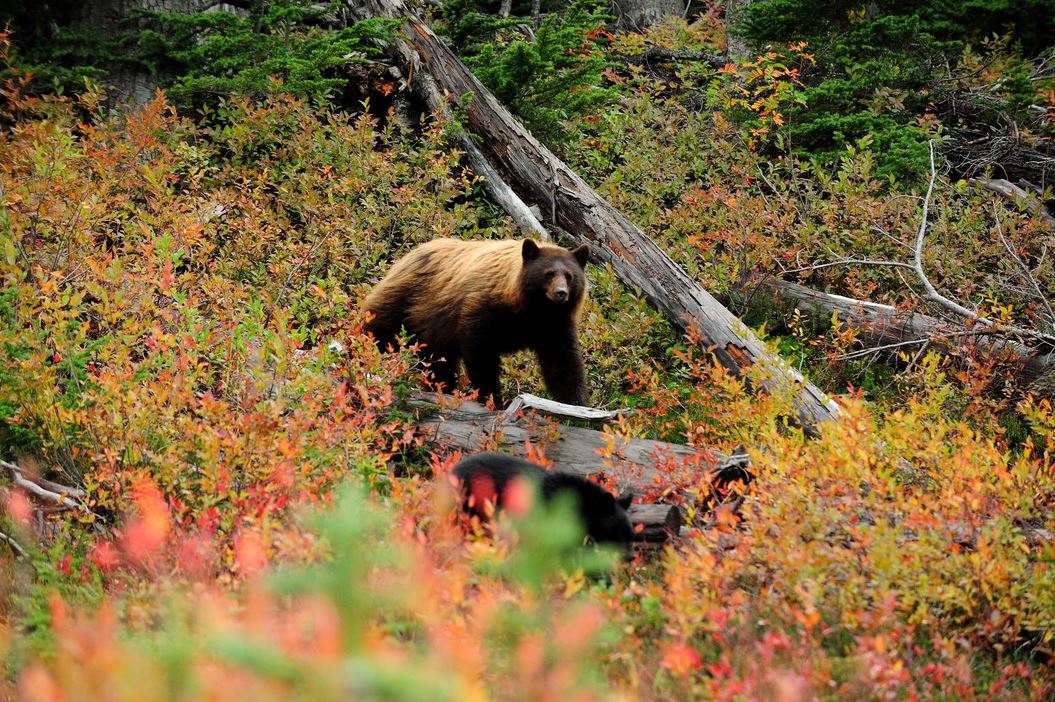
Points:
[[550, 274]]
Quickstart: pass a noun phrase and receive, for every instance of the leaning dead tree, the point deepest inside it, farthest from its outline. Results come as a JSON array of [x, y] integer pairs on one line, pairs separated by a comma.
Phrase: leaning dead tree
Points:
[[470, 427], [539, 177]]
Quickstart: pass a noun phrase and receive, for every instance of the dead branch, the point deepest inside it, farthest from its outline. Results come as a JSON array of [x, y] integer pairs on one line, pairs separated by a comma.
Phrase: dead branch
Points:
[[932, 294], [561, 410], [1026, 273], [59, 495], [883, 328], [14, 546]]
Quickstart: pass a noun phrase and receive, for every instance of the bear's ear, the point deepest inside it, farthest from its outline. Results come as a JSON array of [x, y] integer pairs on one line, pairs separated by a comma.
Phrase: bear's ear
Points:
[[582, 255], [530, 250], [624, 500]]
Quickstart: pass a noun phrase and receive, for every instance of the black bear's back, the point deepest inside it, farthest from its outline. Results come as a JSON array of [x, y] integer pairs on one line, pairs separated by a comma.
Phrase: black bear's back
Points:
[[603, 516], [497, 468]]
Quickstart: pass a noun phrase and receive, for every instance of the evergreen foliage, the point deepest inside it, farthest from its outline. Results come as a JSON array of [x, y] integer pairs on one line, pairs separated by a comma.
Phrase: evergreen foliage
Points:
[[220, 53], [881, 69], [203, 56], [546, 75]]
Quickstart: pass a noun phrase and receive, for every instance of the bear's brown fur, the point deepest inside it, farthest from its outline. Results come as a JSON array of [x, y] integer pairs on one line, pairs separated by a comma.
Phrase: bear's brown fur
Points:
[[480, 300]]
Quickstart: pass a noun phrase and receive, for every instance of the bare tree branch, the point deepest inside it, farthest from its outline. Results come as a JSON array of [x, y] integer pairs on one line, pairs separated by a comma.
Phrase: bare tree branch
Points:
[[932, 294], [847, 262], [63, 496]]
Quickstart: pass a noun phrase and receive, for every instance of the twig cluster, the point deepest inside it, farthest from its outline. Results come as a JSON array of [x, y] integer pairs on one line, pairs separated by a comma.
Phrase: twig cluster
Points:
[[980, 325], [58, 498]]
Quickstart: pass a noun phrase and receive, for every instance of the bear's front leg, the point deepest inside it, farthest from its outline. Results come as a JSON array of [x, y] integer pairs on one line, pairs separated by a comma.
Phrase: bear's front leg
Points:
[[561, 362], [484, 367]]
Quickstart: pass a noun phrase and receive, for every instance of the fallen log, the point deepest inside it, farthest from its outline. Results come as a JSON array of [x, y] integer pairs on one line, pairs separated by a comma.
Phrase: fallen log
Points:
[[470, 427], [885, 328], [655, 523], [540, 177], [1010, 191]]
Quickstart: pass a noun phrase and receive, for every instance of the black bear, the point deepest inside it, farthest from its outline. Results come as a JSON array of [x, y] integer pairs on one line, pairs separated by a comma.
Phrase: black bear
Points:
[[484, 477], [480, 300]]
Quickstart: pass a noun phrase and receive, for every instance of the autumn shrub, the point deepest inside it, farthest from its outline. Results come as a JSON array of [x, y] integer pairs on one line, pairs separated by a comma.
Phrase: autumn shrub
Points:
[[181, 331], [181, 336], [896, 557], [180, 308]]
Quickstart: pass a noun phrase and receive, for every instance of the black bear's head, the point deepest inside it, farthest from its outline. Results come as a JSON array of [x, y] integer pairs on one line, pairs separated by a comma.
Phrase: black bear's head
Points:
[[603, 514], [554, 274], [611, 525]]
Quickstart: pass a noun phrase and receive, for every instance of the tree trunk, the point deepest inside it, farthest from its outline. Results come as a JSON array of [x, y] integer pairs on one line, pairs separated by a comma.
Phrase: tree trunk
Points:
[[539, 176], [636, 15], [110, 19], [887, 328], [736, 46]]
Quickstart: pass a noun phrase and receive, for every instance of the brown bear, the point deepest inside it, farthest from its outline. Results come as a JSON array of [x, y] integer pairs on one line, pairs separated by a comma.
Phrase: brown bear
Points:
[[480, 300]]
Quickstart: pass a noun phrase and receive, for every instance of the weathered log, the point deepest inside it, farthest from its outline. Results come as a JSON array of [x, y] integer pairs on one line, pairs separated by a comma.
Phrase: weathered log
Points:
[[886, 328], [471, 427], [539, 176], [1010, 191], [661, 54], [654, 523]]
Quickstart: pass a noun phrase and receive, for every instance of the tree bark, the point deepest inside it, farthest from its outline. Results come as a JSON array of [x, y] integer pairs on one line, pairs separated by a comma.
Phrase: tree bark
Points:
[[887, 328], [655, 523], [110, 19], [737, 48], [636, 15], [539, 176]]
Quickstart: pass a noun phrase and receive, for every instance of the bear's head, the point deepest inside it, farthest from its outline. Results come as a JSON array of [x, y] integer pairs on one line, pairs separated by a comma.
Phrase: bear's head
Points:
[[554, 274]]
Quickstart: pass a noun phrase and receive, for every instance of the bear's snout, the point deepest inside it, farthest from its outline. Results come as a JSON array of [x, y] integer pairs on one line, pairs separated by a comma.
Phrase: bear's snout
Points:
[[558, 288]]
